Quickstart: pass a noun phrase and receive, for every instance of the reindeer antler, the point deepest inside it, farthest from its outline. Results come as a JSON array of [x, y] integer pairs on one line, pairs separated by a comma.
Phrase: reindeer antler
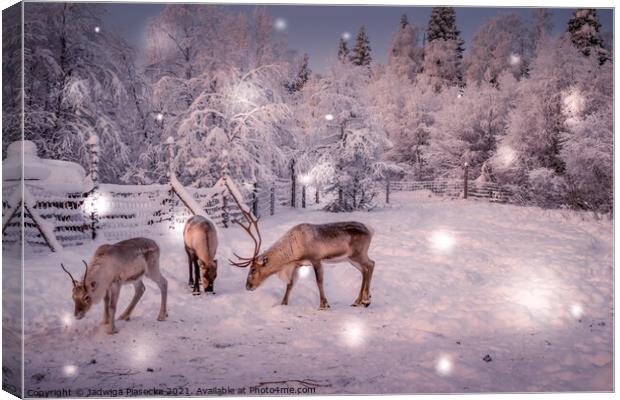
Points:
[[252, 222], [69, 273], [85, 272]]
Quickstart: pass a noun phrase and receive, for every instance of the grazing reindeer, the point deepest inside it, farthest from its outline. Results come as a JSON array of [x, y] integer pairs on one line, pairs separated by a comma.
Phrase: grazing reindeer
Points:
[[200, 237], [308, 244], [113, 266]]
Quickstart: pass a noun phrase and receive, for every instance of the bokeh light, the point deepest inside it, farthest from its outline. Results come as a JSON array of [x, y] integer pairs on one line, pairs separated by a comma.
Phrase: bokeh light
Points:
[[444, 365], [280, 24], [329, 117], [346, 35], [69, 370], [576, 310], [353, 333], [303, 271], [97, 203], [443, 241]]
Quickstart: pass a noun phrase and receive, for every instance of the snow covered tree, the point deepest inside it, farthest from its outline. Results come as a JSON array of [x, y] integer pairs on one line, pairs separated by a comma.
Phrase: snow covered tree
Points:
[[303, 74], [443, 52], [468, 126], [77, 84], [360, 55], [345, 135], [11, 76], [549, 129], [405, 56], [343, 51], [404, 110], [583, 29], [501, 44]]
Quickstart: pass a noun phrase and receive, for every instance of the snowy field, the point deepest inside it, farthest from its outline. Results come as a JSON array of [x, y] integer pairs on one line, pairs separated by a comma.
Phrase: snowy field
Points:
[[455, 281]]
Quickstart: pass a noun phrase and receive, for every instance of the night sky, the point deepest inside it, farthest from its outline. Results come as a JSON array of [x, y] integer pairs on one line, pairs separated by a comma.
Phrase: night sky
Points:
[[316, 29]]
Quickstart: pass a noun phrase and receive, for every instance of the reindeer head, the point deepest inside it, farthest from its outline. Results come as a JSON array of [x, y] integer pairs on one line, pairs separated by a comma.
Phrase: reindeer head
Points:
[[81, 292], [258, 263], [209, 273]]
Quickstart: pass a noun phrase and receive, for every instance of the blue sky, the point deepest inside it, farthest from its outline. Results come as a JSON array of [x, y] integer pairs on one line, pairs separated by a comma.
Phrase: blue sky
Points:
[[316, 29]]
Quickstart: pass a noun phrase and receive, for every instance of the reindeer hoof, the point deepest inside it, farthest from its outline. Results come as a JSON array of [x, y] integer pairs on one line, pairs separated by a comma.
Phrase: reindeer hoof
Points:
[[112, 331], [366, 305], [123, 318], [284, 303], [161, 317], [196, 292], [324, 307]]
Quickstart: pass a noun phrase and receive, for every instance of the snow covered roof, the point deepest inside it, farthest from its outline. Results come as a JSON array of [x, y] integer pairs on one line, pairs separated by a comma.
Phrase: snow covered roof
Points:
[[53, 175]]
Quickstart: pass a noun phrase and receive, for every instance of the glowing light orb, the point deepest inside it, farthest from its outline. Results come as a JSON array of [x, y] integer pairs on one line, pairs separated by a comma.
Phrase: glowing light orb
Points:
[[159, 116], [69, 370], [67, 319], [346, 35], [329, 117], [304, 179], [303, 271], [97, 29], [353, 334], [444, 365], [506, 156], [576, 310], [443, 241], [515, 59], [280, 24], [574, 103], [98, 203]]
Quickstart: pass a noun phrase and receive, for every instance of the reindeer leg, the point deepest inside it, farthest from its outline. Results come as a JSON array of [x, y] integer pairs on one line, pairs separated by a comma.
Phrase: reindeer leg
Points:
[[318, 273], [196, 290], [370, 268], [289, 287], [115, 290], [137, 294], [189, 261], [106, 308], [163, 288], [357, 265]]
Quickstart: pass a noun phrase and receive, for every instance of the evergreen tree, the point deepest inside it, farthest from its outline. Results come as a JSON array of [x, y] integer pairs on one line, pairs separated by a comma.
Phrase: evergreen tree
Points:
[[443, 50], [303, 74], [361, 52], [583, 28], [405, 57], [343, 51], [442, 25]]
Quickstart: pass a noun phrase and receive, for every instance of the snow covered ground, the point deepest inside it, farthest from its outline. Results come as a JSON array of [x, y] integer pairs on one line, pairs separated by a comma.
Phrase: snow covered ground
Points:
[[455, 281]]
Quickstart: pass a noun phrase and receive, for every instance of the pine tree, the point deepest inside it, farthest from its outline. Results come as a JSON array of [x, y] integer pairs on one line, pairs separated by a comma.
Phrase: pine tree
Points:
[[583, 28], [302, 77], [343, 51], [405, 57], [361, 52], [442, 25], [443, 50]]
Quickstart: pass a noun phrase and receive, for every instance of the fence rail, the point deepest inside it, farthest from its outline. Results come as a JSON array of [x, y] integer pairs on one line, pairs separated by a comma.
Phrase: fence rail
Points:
[[454, 188]]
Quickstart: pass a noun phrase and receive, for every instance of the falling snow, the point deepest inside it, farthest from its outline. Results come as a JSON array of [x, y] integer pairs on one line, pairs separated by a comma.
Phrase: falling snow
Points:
[[454, 281]]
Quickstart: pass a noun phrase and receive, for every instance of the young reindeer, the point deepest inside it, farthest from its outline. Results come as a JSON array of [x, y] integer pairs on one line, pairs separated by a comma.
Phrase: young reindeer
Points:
[[308, 244], [113, 266], [200, 238]]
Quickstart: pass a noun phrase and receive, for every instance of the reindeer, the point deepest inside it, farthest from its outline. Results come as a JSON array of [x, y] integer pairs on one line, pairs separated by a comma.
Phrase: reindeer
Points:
[[308, 244], [200, 238], [111, 267]]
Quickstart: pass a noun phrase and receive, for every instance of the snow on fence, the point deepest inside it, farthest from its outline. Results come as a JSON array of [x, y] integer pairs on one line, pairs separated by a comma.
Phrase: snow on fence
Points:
[[454, 188]]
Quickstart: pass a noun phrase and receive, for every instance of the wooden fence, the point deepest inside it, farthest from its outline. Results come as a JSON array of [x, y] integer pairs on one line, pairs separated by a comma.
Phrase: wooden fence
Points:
[[453, 188]]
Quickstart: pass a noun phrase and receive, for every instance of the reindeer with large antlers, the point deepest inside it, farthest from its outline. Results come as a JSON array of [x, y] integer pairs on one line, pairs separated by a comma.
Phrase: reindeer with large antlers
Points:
[[113, 266], [308, 244]]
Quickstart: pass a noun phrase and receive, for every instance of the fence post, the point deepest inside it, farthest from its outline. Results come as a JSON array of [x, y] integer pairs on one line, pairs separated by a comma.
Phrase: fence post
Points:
[[93, 172], [225, 215], [170, 175], [316, 195], [255, 199], [293, 184], [465, 173], [272, 201], [170, 144], [387, 191], [303, 196]]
